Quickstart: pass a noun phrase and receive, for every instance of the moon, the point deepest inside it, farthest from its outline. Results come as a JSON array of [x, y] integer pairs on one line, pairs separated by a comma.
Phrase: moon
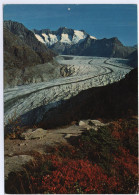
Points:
[[69, 9]]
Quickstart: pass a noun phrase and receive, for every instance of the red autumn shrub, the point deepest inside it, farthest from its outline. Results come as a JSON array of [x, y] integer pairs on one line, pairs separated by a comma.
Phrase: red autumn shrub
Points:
[[127, 135], [78, 176], [126, 169], [126, 163], [124, 134]]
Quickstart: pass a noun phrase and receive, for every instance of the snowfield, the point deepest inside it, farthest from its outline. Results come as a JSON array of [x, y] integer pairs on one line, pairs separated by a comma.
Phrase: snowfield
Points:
[[85, 72]]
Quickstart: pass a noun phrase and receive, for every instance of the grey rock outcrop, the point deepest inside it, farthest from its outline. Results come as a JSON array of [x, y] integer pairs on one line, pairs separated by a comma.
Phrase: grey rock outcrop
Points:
[[34, 134], [66, 71], [15, 163]]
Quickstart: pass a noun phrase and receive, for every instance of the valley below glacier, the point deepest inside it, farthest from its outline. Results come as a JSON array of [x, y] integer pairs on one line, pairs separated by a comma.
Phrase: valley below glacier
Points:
[[30, 102]]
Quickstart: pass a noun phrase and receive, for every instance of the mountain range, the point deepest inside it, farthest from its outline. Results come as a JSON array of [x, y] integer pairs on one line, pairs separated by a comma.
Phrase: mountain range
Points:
[[78, 42], [43, 45]]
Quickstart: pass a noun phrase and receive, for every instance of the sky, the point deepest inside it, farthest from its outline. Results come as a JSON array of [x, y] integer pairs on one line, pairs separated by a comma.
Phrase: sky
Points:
[[101, 21]]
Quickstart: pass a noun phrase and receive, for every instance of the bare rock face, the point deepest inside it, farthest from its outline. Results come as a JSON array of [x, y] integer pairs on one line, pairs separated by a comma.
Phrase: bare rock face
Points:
[[15, 163], [33, 134]]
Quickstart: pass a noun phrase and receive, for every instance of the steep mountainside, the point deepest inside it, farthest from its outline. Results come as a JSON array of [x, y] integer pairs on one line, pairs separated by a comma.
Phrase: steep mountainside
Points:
[[17, 54], [103, 48], [18, 41], [26, 60], [74, 42], [133, 58]]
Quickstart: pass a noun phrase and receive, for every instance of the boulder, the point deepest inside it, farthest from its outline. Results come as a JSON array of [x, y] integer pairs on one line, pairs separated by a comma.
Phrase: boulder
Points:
[[82, 123], [97, 123], [91, 124]]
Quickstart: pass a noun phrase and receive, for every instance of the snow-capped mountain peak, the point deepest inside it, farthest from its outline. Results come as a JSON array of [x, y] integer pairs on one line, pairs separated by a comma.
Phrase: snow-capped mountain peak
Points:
[[62, 35]]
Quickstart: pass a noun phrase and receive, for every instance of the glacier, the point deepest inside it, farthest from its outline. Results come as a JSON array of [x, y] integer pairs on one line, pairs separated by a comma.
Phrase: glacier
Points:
[[88, 72]]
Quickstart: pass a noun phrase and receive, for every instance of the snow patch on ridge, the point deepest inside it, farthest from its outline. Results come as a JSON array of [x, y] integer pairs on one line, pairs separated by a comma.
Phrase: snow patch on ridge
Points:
[[78, 35], [39, 38], [92, 37], [53, 39], [50, 39], [65, 38], [46, 37]]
